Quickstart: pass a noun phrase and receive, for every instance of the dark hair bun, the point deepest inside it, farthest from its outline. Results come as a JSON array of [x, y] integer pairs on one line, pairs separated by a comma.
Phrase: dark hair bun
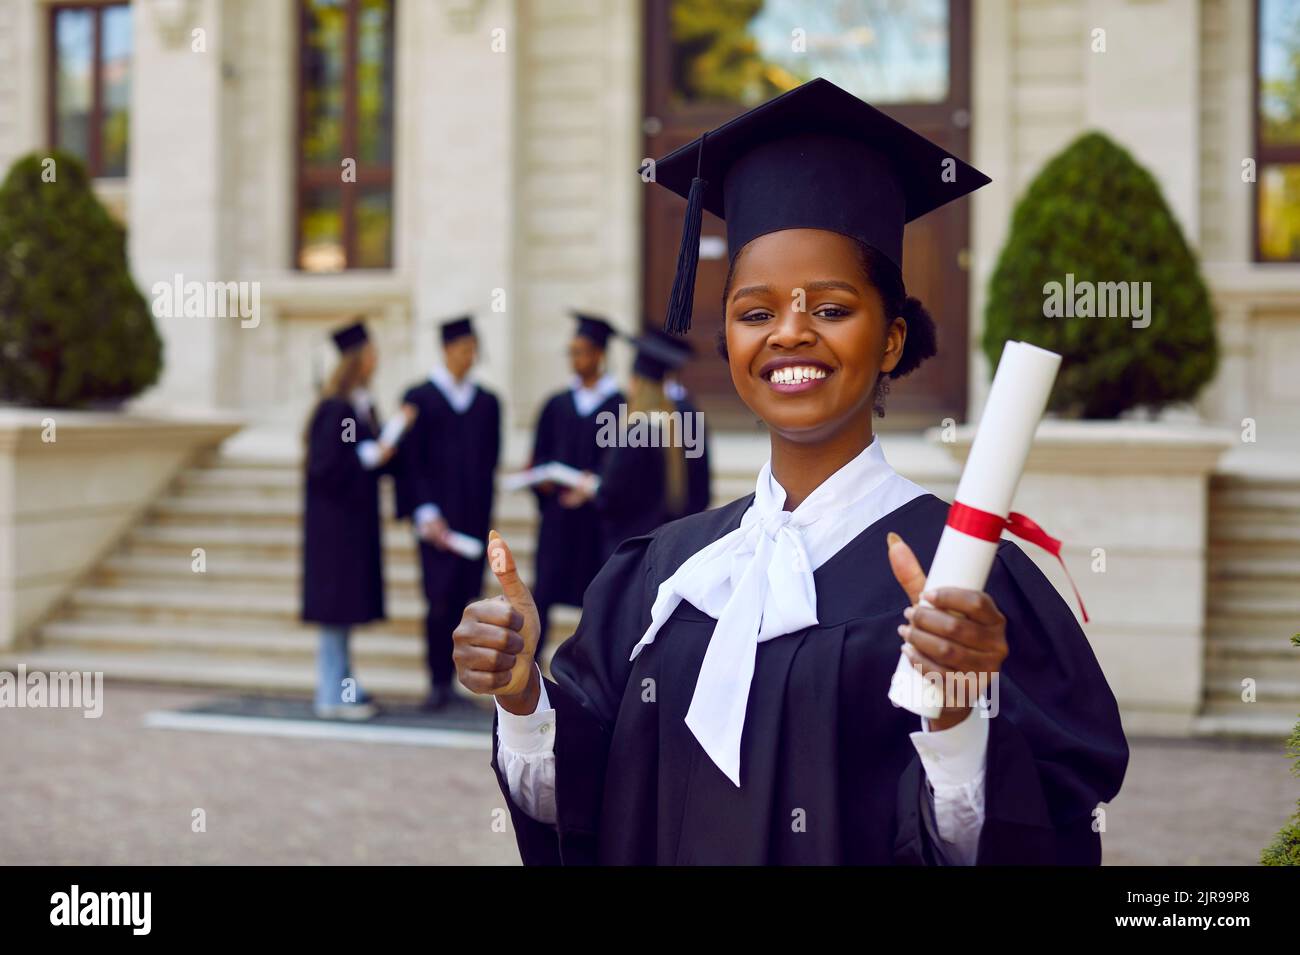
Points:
[[921, 340]]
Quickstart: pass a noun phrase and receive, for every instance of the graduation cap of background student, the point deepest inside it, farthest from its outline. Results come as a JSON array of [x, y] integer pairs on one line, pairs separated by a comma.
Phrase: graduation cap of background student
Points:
[[350, 336], [816, 157], [594, 328], [658, 353], [459, 327]]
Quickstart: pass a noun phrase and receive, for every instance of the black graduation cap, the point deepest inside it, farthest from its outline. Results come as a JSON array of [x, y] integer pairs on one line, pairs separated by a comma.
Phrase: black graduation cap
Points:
[[658, 353], [593, 327], [455, 328], [816, 157], [349, 336]]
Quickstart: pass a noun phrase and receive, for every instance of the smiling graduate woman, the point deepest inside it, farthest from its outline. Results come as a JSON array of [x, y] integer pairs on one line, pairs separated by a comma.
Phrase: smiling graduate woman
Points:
[[724, 699]]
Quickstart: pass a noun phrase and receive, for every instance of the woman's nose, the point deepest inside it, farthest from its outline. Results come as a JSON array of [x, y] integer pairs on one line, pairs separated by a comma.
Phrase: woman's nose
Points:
[[793, 326]]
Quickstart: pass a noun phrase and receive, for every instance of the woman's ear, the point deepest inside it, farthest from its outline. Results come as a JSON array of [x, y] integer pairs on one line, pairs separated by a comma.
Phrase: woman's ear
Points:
[[895, 339]]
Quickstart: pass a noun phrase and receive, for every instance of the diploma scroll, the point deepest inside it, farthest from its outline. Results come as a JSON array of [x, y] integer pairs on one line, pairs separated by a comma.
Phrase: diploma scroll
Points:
[[1016, 400], [471, 548]]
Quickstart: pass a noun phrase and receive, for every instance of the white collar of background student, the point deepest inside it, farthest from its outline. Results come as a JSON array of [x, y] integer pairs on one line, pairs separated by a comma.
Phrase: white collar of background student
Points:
[[459, 394], [587, 400]]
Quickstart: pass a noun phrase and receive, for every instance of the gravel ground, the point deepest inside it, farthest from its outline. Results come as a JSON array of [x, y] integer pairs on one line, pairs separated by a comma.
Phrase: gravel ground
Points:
[[112, 791]]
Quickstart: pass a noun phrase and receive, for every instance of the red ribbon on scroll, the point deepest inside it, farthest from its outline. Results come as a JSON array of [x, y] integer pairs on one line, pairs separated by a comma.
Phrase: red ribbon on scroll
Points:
[[988, 526]]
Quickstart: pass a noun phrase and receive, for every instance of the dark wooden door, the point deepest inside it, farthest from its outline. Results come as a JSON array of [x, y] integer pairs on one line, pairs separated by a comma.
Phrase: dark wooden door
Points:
[[708, 62]]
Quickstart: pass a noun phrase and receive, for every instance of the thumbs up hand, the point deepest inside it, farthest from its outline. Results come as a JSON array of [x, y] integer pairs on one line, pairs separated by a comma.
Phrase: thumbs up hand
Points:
[[497, 638]]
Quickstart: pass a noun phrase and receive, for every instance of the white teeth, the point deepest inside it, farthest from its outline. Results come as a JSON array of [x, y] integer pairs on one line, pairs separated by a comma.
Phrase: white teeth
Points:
[[797, 374]]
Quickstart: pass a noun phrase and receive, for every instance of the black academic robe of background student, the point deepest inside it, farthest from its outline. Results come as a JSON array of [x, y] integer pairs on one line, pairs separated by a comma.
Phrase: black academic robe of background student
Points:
[[568, 539], [632, 498], [342, 554], [450, 460], [821, 737], [699, 488]]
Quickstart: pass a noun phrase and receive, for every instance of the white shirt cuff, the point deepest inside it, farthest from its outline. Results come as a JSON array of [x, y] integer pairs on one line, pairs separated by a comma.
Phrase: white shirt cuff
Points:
[[368, 452], [534, 733], [393, 430], [955, 756], [425, 513]]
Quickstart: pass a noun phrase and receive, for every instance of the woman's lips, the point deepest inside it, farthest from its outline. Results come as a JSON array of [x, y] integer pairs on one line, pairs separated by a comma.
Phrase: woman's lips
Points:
[[789, 379]]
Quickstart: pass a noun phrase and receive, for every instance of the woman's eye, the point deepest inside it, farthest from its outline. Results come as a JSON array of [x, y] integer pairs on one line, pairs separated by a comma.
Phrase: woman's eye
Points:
[[832, 311], [755, 315]]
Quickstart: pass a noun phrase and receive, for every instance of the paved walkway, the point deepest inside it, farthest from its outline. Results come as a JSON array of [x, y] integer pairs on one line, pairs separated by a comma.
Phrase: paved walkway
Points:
[[112, 791]]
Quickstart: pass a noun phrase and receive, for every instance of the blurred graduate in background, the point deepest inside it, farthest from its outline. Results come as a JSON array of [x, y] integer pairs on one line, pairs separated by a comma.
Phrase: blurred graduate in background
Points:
[[569, 533], [342, 553], [445, 484], [646, 477], [699, 490]]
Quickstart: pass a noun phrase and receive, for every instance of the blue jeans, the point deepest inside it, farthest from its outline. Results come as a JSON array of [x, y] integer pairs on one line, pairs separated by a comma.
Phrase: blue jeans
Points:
[[334, 681]]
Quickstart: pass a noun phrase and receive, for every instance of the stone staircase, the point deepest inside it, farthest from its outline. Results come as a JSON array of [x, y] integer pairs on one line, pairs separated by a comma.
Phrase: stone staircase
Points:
[[147, 615], [1253, 605]]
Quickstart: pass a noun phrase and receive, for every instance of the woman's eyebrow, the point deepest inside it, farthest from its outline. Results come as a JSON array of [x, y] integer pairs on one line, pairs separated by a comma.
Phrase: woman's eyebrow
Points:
[[751, 290], [829, 284]]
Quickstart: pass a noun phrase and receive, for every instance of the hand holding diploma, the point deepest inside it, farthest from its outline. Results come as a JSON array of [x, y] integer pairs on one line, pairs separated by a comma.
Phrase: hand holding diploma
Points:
[[982, 509], [392, 433], [955, 631], [497, 638]]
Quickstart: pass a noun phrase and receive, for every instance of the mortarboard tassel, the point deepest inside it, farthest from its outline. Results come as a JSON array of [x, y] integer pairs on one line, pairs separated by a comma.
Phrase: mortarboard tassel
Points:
[[682, 299]]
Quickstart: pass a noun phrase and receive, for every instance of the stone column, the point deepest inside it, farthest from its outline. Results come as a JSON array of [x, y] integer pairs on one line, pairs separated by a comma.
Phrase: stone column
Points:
[[177, 194]]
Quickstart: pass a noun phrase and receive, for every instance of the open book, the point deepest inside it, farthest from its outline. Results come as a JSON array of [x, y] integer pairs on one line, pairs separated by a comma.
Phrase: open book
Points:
[[552, 471]]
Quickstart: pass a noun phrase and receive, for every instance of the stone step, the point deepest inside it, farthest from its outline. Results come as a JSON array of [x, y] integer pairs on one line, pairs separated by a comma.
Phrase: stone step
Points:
[[252, 674], [1240, 564], [282, 541], [170, 570], [371, 648], [274, 609], [1229, 663], [1240, 643], [1254, 493], [1279, 627], [1227, 719], [1273, 692], [1253, 527], [257, 511], [1232, 591], [1232, 606]]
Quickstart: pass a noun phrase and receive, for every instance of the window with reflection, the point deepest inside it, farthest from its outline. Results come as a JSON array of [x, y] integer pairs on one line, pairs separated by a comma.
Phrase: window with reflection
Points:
[[345, 160], [90, 84], [1277, 131], [747, 51]]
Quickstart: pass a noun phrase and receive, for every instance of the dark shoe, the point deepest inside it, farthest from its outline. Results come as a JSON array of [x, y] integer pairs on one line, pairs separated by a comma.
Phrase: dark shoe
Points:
[[439, 696]]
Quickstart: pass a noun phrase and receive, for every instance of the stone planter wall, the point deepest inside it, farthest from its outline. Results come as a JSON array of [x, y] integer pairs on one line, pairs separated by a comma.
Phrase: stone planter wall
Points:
[[70, 484]]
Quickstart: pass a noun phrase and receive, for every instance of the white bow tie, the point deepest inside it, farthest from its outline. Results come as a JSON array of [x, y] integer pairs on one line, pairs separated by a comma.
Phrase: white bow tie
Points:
[[757, 581]]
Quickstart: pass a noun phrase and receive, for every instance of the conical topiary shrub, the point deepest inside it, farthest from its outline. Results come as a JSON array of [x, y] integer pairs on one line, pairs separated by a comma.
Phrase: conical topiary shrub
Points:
[[74, 329], [1093, 215]]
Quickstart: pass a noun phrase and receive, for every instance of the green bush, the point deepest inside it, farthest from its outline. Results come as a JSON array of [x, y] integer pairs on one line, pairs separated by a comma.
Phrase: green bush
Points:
[[1285, 849], [74, 329], [1093, 212]]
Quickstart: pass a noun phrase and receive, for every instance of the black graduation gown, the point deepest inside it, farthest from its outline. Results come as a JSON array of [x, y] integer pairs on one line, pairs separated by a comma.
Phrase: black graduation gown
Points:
[[632, 499], [699, 490], [342, 554], [821, 737], [568, 539], [450, 460]]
